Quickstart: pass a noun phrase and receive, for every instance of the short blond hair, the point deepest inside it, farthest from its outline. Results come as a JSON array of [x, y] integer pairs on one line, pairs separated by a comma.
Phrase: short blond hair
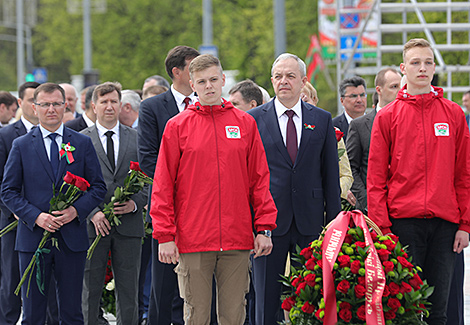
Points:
[[415, 42], [310, 91], [203, 62]]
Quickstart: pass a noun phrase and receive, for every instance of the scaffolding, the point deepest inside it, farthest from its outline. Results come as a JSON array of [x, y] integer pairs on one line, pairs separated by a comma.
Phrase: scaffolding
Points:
[[417, 18]]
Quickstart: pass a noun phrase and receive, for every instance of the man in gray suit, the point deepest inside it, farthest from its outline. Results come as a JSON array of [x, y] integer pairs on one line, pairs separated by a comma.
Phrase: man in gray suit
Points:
[[116, 147], [387, 84]]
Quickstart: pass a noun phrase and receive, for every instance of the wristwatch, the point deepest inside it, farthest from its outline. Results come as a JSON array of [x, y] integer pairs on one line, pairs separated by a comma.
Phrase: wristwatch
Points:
[[267, 233]]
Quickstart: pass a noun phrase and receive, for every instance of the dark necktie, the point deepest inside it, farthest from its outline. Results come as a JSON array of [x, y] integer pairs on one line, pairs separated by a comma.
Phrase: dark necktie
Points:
[[110, 148], [54, 154], [186, 102], [291, 136]]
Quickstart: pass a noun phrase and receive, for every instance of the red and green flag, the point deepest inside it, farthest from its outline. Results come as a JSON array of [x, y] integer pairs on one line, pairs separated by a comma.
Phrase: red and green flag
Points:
[[314, 60]]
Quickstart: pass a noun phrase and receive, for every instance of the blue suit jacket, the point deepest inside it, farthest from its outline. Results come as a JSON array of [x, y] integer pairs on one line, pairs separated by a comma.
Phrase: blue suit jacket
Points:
[[302, 191], [28, 181], [341, 123], [7, 135], [153, 114]]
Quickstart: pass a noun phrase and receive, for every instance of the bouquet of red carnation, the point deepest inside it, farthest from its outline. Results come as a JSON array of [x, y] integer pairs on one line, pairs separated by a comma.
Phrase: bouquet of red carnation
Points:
[[133, 184], [353, 276], [59, 201]]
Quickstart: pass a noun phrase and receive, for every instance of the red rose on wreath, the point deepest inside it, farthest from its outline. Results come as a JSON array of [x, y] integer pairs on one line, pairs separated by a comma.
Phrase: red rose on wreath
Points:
[[310, 264], [308, 308], [386, 292], [383, 254], [296, 281], [388, 266], [404, 262], [300, 288], [359, 291], [361, 280], [343, 286], [394, 288], [405, 287], [310, 279], [344, 261], [361, 313], [416, 282], [390, 315], [345, 305], [345, 314], [288, 303], [355, 266], [394, 304], [306, 252]]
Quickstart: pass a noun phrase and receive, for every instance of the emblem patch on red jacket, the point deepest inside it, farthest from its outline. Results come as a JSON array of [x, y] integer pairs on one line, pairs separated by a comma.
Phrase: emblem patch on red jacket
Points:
[[441, 129], [233, 132]]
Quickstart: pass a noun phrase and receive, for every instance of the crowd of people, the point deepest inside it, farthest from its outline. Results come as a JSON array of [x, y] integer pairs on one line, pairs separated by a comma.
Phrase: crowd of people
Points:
[[238, 184]]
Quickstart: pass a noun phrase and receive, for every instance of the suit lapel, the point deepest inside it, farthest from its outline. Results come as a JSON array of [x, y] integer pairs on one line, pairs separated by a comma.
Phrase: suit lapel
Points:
[[370, 120], [20, 128], [308, 117], [95, 139], [272, 125], [171, 105], [123, 143], [38, 144]]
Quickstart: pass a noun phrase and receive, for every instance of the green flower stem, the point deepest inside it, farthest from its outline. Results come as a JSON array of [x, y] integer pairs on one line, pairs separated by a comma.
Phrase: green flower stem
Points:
[[9, 228], [29, 270], [93, 246]]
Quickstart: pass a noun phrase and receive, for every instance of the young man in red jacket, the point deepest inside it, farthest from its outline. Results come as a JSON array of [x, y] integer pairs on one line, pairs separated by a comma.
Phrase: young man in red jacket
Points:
[[418, 182], [211, 168]]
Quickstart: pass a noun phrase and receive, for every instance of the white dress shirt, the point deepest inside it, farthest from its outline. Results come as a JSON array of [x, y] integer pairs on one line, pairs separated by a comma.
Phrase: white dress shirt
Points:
[[101, 132], [179, 98], [283, 118], [47, 140]]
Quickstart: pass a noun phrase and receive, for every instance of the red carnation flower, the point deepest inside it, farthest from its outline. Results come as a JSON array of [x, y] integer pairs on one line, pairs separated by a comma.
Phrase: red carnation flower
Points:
[[310, 279], [355, 266], [308, 308], [383, 254], [394, 288], [405, 287], [394, 304], [359, 291], [344, 261], [345, 314], [288, 303], [416, 282], [301, 286], [388, 266], [343, 286], [345, 305], [361, 313], [306, 252]]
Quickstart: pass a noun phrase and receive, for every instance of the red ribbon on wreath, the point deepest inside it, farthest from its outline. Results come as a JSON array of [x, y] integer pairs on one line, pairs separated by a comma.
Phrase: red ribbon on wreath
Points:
[[375, 277]]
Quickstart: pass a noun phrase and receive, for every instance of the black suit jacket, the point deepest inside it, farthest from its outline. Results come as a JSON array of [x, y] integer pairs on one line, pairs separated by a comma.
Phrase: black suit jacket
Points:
[[78, 124], [341, 123], [305, 190], [153, 114], [358, 144], [7, 135]]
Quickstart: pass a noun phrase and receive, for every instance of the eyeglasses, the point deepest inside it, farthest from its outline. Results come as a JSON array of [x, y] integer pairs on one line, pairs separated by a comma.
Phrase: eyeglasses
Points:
[[354, 96], [47, 105]]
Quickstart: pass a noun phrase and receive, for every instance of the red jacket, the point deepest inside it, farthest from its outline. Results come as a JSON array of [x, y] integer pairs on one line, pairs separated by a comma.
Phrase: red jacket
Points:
[[419, 161], [211, 167]]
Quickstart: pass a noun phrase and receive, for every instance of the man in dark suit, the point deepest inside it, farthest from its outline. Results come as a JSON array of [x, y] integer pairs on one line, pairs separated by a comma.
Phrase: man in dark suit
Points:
[[353, 97], [165, 306], [88, 117], [8, 107], [301, 149], [33, 169], [10, 304], [115, 145], [387, 85]]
